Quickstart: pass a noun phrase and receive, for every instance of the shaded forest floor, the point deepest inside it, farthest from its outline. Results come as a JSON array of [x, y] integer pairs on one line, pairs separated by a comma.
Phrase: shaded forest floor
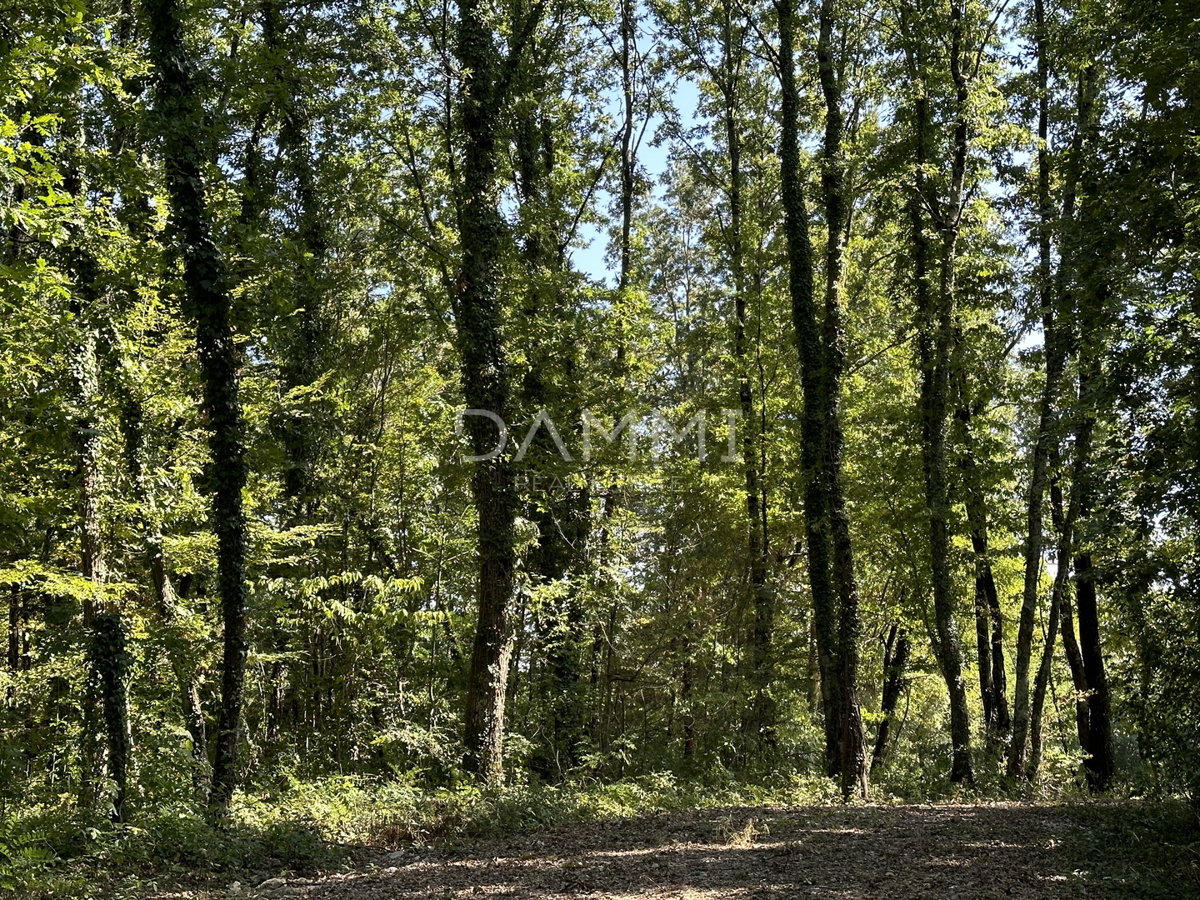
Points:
[[956, 852]]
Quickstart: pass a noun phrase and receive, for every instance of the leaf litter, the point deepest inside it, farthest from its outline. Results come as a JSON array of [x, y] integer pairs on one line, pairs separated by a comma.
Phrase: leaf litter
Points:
[[989, 851]]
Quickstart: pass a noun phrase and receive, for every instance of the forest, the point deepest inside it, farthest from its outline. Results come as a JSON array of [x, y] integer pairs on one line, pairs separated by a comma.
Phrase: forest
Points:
[[463, 417]]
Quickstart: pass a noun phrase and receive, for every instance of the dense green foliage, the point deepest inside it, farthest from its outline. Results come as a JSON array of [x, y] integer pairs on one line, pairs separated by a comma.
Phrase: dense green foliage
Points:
[[929, 288]]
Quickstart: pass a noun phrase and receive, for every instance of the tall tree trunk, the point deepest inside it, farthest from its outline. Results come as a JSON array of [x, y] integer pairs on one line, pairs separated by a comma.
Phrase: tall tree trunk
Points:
[[207, 303], [303, 354], [813, 417], [628, 151], [477, 304], [852, 760], [1044, 673], [759, 721], [562, 514], [987, 609], [935, 312], [1056, 336], [1060, 602], [16, 628], [85, 302], [87, 474]]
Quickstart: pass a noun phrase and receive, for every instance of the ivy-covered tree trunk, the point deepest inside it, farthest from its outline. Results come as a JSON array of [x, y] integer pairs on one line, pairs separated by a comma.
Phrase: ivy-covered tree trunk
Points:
[[936, 345], [935, 336], [304, 355], [477, 305], [86, 397], [207, 302], [852, 758], [813, 416], [562, 512], [110, 663]]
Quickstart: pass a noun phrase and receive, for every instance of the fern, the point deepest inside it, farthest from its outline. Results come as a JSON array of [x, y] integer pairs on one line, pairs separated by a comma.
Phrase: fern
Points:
[[20, 851]]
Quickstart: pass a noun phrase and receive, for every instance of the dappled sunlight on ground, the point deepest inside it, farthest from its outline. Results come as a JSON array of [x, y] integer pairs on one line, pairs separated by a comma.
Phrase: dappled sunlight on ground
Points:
[[946, 852]]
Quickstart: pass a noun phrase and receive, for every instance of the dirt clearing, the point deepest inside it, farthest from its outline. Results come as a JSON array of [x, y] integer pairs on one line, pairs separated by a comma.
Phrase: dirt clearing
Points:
[[947, 852]]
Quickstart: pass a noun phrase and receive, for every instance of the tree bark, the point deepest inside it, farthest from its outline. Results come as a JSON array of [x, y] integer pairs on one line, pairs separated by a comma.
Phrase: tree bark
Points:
[[1056, 333], [1042, 681], [304, 357], [477, 305], [935, 319], [813, 416], [562, 512], [1067, 628], [85, 298], [759, 720], [989, 621], [1099, 762], [207, 303], [852, 759], [110, 661], [895, 660]]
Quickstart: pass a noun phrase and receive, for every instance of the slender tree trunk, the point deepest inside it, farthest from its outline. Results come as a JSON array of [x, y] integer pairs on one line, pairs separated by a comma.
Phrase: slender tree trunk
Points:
[[1078, 675], [628, 153], [1064, 522], [999, 673], [986, 600], [16, 628], [895, 660], [207, 303], [759, 722], [1056, 333], [1044, 673], [1067, 627], [685, 696], [1099, 763], [989, 622]]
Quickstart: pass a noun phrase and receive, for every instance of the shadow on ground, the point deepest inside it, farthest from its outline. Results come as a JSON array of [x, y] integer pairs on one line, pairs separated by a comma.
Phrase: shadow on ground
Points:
[[949, 852]]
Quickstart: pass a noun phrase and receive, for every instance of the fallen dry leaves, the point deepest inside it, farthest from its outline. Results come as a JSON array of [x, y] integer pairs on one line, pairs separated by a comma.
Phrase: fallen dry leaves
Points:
[[947, 852]]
